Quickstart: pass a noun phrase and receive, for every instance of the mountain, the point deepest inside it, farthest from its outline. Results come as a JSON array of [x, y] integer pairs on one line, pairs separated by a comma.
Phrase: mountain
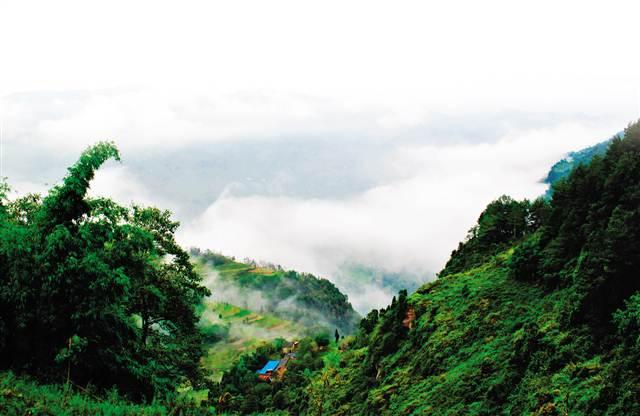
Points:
[[231, 331], [309, 301], [537, 312], [564, 167], [251, 306], [372, 287], [100, 298]]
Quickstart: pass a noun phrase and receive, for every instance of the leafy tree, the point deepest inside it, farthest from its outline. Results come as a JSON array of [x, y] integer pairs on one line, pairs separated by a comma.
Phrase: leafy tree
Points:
[[322, 339], [524, 263], [99, 290], [591, 240], [503, 222]]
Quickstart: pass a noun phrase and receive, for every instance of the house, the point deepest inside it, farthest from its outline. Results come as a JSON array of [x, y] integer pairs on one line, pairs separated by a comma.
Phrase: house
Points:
[[266, 372], [275, 369]]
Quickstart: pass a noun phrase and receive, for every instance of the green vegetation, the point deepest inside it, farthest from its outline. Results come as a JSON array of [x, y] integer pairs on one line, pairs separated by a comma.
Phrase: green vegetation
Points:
[[230, 331], [537, 312], [500, 224], [96, 294], [301, 298], [239, 391], [252, 306], [563, 168], [19, 396], [547, 325]]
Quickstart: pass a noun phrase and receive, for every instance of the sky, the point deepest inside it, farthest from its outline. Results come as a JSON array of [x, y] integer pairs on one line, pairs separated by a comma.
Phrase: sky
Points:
[[315, 135]]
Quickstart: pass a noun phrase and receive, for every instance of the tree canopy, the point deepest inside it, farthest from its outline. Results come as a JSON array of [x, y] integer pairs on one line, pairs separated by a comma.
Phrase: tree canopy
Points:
[[96, 291]]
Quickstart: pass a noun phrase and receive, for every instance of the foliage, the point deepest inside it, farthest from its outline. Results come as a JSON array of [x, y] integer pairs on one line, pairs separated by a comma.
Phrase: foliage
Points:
[[235, 331], [94, 292], [20, 396], [302, 298], [240, 391], [534, 314], [502, 223], [537, 313], [591, 241], [524, 263], [563, 168]]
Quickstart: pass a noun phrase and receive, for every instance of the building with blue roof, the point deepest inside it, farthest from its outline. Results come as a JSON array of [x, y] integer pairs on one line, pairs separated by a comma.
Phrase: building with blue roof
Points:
[[268, 368]]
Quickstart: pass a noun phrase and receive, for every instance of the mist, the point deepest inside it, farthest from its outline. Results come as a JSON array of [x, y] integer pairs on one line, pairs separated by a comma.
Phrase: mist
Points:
[[225, 291], [408, 224], [374, 144]]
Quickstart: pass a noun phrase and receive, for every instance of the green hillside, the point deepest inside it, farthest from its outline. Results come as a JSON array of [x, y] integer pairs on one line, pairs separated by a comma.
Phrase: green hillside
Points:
[[251, 306], [529, 317], [309, 301], [99, 302], [21, 396], [231, 331], [564, 167], [537, 312]]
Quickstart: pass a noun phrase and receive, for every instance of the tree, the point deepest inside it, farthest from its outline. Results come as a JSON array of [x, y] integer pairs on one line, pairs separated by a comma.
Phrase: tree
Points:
[[322, 339], [503, 222], [110, 278], [524, 263]]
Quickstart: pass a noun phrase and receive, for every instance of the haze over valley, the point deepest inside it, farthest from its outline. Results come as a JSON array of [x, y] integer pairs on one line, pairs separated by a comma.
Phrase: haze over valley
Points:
[[320, 209]]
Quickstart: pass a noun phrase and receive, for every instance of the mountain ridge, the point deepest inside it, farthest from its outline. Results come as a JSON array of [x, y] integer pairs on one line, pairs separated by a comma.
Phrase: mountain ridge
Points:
[[537, 312]]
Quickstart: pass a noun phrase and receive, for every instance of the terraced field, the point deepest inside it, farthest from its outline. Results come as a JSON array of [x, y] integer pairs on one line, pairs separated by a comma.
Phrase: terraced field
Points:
[[246, 331]]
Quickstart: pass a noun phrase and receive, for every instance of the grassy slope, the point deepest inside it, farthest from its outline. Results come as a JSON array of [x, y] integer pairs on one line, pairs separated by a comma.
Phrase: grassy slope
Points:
[[244, 273], [465, 339], [458, 360], [249, 330], [21, 397], [311, 301]]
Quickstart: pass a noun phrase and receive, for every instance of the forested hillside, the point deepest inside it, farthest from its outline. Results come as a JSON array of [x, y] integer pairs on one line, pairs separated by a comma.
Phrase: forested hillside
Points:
[[252, 305], [537, 312], [546, 323], [313, 302], [100, 303], [564, 167]]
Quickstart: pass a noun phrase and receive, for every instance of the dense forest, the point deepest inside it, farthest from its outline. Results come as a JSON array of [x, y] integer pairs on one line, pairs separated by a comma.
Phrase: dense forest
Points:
[[536, 312], [564, 167]]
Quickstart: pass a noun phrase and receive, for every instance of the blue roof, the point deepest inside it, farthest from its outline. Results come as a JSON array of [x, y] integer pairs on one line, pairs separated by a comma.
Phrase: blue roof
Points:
[[270, 366]]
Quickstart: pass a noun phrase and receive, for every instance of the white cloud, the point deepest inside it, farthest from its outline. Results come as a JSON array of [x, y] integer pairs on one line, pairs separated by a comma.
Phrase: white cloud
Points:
[[117, 182], [143, 118], [415, 56], [411, 223], [153, 75]]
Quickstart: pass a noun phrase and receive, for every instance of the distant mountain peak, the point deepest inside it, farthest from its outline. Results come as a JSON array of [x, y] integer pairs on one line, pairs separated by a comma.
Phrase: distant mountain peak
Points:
[[564, 167]]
